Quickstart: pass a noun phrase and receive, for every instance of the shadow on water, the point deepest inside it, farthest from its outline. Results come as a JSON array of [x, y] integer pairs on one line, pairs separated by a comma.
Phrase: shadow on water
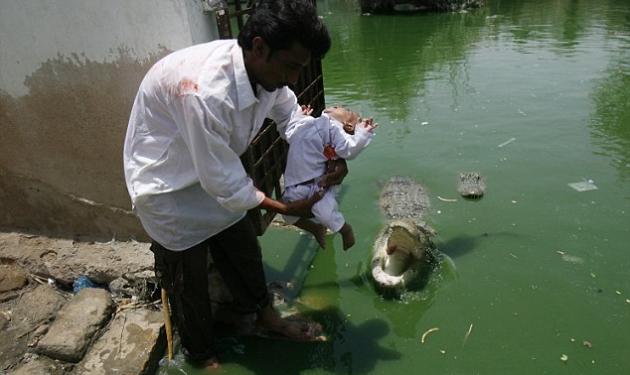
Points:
[[351, 349], [460, 245], [296, 267], [464, 244]]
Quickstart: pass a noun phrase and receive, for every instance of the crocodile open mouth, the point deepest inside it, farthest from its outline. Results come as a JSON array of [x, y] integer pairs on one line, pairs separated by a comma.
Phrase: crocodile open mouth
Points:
[[400, 246]]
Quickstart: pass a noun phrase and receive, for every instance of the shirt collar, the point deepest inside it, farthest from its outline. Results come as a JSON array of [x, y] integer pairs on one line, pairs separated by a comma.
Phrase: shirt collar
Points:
[[244, 92]]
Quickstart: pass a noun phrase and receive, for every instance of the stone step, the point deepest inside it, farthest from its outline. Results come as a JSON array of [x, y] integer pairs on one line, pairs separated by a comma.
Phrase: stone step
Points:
[[133, 344], [76, 324]]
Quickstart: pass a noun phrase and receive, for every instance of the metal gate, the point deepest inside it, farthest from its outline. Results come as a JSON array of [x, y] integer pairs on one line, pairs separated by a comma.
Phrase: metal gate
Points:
[[266, 157]]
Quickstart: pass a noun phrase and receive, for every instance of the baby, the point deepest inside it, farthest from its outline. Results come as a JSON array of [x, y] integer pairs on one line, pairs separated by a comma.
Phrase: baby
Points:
[[337, 133]]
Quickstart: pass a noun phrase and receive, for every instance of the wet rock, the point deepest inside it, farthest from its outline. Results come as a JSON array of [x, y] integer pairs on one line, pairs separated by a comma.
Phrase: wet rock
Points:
[[75, 325], [132, 344], [12, 277]]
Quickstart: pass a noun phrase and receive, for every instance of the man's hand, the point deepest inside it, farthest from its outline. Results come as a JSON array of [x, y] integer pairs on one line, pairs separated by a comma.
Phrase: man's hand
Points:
[[336, 172], [303, 207], [300, 207]]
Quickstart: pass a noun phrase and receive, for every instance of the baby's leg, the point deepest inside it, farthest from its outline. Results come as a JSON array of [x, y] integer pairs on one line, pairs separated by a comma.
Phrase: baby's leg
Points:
[[317, 230], [325, 210], [347, 236]]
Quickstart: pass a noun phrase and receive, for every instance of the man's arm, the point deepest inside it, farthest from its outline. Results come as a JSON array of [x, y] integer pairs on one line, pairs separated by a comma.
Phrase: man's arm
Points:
[[336, 172]]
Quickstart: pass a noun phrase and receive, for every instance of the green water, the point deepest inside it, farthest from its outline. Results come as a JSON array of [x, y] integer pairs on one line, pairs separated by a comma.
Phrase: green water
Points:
[[536, 267]]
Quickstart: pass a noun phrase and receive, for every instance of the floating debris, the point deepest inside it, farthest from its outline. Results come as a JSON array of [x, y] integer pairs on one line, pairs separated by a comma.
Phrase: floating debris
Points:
[[446, 199], [467, 334], [507, 142], [572, 259], [583, 186], [429, 331], [564, 358], [587, 344]]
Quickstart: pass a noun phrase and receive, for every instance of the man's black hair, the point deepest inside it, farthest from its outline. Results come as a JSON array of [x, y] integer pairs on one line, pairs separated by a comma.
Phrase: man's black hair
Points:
[[282, 22]]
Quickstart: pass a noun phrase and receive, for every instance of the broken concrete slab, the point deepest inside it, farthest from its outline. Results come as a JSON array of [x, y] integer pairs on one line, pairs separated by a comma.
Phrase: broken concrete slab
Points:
[[64, 260], [20, 319], [132, 344], [4, 322], [12, 348], [35, 307], [41, 366], [12, 277], [75, 325]]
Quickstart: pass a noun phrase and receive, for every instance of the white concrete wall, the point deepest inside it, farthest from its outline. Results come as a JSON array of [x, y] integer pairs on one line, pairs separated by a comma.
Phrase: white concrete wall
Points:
[[35, 31], [69, 70]]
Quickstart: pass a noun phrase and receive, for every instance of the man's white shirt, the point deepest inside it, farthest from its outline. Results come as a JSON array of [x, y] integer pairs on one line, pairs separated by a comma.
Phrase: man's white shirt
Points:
[[194, 115]]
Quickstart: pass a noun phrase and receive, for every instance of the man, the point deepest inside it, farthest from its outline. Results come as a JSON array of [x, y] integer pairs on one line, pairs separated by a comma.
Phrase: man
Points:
[[196, 112]]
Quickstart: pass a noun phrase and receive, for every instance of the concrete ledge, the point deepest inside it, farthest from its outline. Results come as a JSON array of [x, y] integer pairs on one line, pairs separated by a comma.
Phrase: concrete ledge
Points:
[[133, 344]]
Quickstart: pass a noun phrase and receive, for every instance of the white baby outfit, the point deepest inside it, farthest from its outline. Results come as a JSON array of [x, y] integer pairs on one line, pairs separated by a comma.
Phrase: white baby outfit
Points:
[[306, 163]]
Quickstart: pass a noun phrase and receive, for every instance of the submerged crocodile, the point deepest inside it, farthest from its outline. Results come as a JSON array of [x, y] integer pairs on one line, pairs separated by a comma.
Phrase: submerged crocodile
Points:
[[471, 185], [403, 248]]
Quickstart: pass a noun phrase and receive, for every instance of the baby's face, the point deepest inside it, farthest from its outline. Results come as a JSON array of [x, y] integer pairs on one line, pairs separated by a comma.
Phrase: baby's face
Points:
[[347, 118]]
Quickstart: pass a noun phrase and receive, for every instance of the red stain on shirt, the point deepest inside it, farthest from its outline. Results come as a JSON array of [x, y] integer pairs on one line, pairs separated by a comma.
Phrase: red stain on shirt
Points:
[[329, 152], [187, 86]]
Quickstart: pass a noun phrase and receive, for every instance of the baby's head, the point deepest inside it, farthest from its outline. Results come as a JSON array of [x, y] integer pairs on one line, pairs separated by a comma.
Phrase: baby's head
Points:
[[346, 117]]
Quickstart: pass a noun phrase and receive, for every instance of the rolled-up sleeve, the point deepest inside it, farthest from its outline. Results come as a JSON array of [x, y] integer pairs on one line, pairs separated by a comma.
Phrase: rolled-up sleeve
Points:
[[285, 111], [218, 167]]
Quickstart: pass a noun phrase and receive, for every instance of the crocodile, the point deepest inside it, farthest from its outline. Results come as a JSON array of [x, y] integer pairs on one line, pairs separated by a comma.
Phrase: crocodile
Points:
[[471, 185], [403, 248]]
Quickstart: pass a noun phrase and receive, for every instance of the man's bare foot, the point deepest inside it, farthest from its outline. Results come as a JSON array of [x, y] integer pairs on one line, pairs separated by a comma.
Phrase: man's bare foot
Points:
[[317, 230], [347, 236], [211, 365], [269, 319]]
